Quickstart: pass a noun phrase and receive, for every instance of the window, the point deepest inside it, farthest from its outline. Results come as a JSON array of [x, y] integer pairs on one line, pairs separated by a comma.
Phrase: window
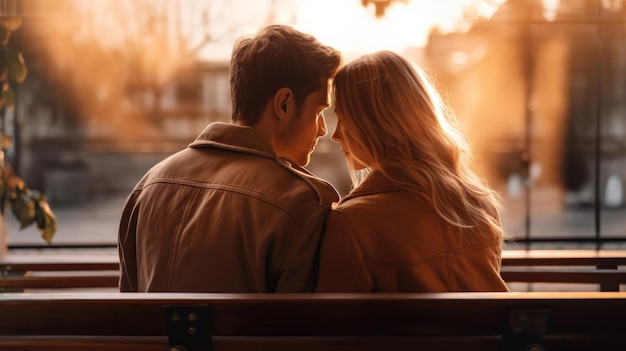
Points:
[[542, 97]]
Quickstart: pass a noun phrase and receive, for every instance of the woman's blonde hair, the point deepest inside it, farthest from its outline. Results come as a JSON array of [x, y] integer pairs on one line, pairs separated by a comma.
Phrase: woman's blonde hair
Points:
[[391, 110]]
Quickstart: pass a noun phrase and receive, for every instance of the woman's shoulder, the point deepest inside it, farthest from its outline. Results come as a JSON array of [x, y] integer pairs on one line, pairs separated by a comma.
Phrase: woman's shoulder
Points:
[[390, 198], [377, 211], [373, 188]]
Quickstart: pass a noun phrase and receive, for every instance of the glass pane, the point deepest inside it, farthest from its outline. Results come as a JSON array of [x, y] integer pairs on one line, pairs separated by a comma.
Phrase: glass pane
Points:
[[564, 129], [613, 139], [532, 89], [539, 88]]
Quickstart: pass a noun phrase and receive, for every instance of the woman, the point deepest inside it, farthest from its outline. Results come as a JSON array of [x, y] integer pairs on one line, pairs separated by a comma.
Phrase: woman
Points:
[[418, 218]]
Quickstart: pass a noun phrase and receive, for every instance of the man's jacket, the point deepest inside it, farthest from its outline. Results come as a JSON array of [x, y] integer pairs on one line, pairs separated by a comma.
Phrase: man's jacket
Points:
[[224, 215]]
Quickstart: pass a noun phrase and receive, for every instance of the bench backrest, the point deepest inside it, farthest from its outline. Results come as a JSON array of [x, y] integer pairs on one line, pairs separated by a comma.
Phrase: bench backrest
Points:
[[448, 321], [19, 272]]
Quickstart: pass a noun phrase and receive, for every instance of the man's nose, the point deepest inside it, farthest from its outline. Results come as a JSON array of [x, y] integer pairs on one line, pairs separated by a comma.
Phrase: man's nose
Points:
[[322, 130]]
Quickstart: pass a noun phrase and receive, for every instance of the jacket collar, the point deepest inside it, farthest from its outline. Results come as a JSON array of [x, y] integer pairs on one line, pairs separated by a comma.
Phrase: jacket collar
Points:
[[374, 183], [234, 137]]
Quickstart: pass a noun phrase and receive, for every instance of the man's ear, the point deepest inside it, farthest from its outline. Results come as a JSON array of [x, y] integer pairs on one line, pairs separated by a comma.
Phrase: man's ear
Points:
[[283, 102]]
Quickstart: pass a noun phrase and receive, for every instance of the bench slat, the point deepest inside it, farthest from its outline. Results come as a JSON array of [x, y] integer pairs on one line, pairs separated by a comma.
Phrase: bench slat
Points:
[[251, 343], [449, 321], [456, 343], [384, 314], [509, 274], [60, 282], [15, 268], [82, 343], [563, 257], [551, 275], [55, 262]]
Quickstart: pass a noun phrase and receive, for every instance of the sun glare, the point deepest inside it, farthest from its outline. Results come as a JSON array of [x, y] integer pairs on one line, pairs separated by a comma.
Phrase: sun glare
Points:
[[355, 29], [550, 8]]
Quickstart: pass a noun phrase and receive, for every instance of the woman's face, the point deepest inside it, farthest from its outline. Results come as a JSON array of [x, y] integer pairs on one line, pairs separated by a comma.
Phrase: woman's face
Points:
[[352, 153]]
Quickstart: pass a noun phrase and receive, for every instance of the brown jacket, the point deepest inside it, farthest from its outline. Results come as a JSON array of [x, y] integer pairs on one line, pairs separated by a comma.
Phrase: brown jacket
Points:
[[224, 215], [382, 239]]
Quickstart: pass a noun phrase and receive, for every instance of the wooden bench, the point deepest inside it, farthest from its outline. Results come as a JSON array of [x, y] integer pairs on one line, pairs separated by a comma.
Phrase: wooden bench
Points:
[[448, 321], [52, 271], [605, 259], [565, 266]]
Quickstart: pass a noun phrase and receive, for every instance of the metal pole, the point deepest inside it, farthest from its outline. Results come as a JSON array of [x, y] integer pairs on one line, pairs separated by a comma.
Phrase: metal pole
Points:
[[599, 113], [17, 140], [528, 73]]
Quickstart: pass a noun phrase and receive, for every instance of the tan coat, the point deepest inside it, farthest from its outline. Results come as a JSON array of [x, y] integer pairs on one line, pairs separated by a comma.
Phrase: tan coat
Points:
[[224, 215], [382, 239]]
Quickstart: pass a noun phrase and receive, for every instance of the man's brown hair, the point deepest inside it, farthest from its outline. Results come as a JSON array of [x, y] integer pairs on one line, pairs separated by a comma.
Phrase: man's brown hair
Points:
[[277, 57]]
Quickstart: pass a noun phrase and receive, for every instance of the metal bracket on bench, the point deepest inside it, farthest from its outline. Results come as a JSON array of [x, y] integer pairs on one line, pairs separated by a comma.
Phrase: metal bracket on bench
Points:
[[188, 327], [8, 272], [525, 330]]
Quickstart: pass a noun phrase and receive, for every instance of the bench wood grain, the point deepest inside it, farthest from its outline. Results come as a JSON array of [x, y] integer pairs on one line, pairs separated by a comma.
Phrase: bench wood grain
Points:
[[448, 321], [541, 266]]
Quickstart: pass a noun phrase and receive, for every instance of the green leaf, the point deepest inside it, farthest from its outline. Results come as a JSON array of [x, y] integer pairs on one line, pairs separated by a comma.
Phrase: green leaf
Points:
[[16, 65], [45, 219], [22, 206], [12, 65], [29, 207]]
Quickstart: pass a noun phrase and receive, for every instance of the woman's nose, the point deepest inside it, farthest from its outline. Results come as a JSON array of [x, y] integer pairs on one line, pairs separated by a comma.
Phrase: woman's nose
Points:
[[336, 137]]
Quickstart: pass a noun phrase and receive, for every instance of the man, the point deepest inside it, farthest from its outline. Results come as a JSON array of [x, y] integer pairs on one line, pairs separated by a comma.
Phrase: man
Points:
[[235, 212]]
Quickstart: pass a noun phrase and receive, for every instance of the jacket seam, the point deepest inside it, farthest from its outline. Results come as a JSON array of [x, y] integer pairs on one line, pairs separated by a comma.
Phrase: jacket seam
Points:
[[178, 234], [364, 257], [363, 193], [281, 248], [292, 167], [306, 176], [437, 255], [228, 188], [286, 164], [228, 147], [450, 281]]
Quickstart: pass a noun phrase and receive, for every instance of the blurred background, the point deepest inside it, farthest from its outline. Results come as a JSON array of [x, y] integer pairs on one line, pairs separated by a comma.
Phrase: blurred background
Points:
[[113, 87]]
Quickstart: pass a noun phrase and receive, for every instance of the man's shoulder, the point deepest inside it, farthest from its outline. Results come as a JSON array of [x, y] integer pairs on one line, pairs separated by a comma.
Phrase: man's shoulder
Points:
[[325, 192], [276, 179]]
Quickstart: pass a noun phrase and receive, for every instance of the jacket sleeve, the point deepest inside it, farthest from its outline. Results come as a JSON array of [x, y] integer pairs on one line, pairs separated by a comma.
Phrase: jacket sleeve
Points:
[[342, 263], [298, 268], [127, 246]]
